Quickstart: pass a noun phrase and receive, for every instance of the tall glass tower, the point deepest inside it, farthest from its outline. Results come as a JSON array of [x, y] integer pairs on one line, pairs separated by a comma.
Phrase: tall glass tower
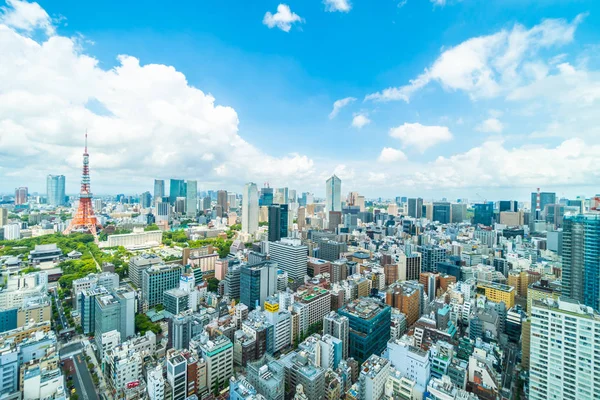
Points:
[[581, 259], [333, 194], [55, 190]]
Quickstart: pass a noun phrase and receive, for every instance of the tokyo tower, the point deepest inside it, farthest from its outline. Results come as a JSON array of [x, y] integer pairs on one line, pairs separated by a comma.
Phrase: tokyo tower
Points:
[[84, 220]]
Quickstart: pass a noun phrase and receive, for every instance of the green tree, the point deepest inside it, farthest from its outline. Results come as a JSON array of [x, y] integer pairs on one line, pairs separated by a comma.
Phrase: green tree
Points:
[[213, 285], [151, 227], [216, 388]]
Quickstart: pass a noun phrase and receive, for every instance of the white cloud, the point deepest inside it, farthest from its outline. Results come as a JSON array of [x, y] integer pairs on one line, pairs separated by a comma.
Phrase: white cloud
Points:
[[376, 177], [337, 5], [421, 137], [488, 66], [391, 155], [402, 3], [491, 125], [283, 19], [339, 104], [25, 16], [154, 123], [360, 120], [440, 3]]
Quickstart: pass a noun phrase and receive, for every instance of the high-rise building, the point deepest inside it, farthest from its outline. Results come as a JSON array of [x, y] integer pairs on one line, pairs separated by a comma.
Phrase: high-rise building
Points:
[[218, 354], [259, 282], [581, 259], [177, 375], [250, 208], [431, 256], [373, 377], [222, 200], [145, 200], [483, 214], [564, 352], [442, 212], [459, 212], [268, 377], [107, 316], [369, 321], [139, 263], [159, 189], [156, 280], [333, 194], [291, 256], [415, 207], [3, 216], [337, 326], [21, 195], [176, 189], [537, 207], [191, 198], [266, 197], [155, 383], [55, 190], [206, 203], [278, 222], [508, 205]]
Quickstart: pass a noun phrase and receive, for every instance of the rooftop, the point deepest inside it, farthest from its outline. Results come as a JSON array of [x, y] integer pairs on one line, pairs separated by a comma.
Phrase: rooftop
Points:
[[365, 308]]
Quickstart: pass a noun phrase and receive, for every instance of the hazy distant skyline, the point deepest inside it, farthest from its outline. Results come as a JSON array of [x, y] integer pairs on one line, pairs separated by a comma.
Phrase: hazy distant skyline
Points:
[[410, 98]]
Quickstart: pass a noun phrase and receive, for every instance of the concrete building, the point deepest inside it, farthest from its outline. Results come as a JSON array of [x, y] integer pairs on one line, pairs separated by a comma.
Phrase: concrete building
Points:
[[191, 198], [291, 256], [250, 209], [567, 371], [337, 326], [155, 384], [122, 365], [298, 371], [268, 378], [411, 361], [176, 301], [259, 282], [373, 376], [135, 240], [218, 354], [156, 280]]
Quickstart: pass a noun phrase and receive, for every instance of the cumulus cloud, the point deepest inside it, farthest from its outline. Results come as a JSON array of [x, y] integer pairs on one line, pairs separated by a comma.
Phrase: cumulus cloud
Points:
[[421, 137], [390, 155], [25, 16], [488, 66], [360, 120], [283, 19], [339, 104], [153, 123], [337, 5], [492, 125]]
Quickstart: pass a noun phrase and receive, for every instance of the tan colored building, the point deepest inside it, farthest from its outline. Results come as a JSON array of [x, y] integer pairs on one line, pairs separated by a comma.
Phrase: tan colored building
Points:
[[36, 313], [510, 218], [391, 273], [525, 343], [539, 291], [404, 299], [23, 332], [521, 280]]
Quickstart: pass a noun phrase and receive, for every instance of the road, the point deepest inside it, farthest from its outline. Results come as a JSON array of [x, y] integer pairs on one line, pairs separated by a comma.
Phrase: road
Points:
[[85, 378]]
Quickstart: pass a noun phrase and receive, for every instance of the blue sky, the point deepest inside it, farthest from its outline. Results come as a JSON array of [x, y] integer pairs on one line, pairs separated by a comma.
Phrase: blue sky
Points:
[[482, 116]]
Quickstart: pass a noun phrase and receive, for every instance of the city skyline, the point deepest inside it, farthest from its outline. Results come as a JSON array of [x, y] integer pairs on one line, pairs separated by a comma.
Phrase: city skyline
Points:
[[406, 119]]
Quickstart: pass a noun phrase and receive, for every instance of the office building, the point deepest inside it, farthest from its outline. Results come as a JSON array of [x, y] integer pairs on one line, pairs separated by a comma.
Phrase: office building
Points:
[[333, 194], [107, 315], [250, 209], [431, 256], [126, 300], [266, 197], [3, 217], [281, 320], [155, 383], [159, 190], [259, 282], [409, 266], [369, 321], [537, 207], [145, 200], [278, 222], [180, 331], [508, 206], [222, 200], [291, 256], [299, 371], [191, 198], [218, 354], [459, 212], [337, 326], [483, 214], [268, 377], [442, 212], [373, 376], [176, 189], [176, 300], [565, 352], [177, 375], [415, 208], [55, 190], [156, 280], [21, 195], [122, 365], [581, 259], [140, 263], [497, 292]]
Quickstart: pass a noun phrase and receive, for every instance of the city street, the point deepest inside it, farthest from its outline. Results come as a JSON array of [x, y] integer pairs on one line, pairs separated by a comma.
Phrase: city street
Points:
[[85, 378]]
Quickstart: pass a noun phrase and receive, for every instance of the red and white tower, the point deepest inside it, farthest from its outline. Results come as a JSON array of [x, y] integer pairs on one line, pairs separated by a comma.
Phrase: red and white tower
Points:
[[84, 220]]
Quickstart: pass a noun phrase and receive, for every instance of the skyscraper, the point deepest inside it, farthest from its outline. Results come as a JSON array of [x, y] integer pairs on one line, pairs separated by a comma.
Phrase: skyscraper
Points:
[[191, 198], [483, 214], [266, 196], [250, 208], [415, 208], [581, 259], [333, 194], [159, 189], [442, 212], [274, 223], [545, 198], [55, 189], [259, 282], [20, 195], [176, 189], [222, 200]]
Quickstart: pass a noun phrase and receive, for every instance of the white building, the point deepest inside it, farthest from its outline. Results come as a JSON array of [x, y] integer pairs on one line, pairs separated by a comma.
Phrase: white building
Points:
[[337, 326], [122, 365], [411, 361], [177, 375], [281, 321], [565, 351], [108, 341], [155, 384], [291, 256], [218, 354], [191, 198], [250, 209], [374, 374], [134, 240], [12, 232]]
